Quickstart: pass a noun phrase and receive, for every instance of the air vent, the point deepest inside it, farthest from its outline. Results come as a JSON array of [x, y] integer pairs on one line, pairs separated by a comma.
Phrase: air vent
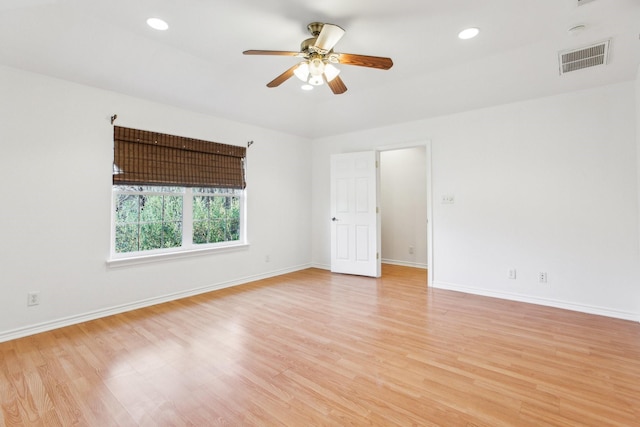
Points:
[[581, 2], [586, 57]]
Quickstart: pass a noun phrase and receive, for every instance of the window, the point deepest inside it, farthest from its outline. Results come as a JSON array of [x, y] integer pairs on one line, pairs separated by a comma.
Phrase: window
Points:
[[174, 194], [147, 218], [216, 215]]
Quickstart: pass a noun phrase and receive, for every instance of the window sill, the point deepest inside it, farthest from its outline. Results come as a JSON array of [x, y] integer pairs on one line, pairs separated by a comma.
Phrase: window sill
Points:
[[146, 259]]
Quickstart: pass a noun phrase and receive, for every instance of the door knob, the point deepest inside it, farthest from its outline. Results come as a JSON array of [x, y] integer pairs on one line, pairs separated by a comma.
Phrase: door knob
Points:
[[334, 219]]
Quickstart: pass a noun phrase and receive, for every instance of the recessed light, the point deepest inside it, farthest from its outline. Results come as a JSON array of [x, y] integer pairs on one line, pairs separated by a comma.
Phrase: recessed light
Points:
[[157, 24], [306, 87], [469, 33]]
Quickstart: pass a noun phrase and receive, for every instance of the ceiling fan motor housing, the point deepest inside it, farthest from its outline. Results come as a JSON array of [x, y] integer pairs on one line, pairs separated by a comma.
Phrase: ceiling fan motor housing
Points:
[[307, 44], [315, 28]]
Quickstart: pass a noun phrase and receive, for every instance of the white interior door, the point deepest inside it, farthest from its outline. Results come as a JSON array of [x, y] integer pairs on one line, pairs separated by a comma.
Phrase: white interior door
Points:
[[355, 218]]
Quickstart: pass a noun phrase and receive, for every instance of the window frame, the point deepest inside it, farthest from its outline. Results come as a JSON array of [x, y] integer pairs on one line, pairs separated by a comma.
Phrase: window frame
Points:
[[187, 248]]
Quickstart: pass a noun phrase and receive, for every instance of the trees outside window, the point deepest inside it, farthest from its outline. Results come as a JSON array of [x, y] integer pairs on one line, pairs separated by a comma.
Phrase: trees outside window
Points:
[[160, 219], [216, 216]]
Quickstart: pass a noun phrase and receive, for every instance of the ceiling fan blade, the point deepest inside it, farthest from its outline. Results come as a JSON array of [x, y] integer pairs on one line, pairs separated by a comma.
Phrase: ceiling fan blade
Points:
[[272, 52], [282, 77], [337, 85], [328, 37], [365, 61]]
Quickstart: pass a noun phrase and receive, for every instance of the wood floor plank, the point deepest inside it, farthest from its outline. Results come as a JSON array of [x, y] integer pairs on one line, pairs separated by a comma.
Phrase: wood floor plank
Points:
[[316, 348]]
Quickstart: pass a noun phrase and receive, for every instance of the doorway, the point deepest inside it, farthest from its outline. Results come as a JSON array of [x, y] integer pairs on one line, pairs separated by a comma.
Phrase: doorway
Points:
[[406, 206], [353, 245]]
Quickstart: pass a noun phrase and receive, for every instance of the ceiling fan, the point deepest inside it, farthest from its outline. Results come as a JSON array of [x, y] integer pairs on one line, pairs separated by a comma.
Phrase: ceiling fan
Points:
[[317, 66]]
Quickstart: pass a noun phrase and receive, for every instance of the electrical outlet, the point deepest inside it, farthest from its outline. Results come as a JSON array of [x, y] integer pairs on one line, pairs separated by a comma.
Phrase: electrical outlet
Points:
[[542, 277], [267, 258], [448, 199], [512, 273], [33, 298], [411, 250]]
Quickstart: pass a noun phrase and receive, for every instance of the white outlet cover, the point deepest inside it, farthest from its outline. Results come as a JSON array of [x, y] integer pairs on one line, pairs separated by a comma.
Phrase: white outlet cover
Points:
[[33, 298], [448, 199]]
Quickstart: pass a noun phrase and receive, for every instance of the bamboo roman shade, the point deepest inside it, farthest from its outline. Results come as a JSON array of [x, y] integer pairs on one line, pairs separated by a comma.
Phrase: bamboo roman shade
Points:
[[151, 158]]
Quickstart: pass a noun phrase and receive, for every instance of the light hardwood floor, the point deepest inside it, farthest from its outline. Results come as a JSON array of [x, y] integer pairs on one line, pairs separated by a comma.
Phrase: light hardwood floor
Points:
[[311, 348]]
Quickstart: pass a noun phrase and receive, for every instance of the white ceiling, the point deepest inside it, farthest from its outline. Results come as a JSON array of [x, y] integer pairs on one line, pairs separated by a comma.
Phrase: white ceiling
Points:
[[198, 63]]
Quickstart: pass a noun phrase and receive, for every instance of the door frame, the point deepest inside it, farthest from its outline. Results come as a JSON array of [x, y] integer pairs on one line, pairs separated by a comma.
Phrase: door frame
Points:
[[427, 145]]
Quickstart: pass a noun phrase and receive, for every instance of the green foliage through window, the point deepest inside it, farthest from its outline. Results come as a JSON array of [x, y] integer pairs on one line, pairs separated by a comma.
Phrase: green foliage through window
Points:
[[152, 218], [215, 219], [145, 222]]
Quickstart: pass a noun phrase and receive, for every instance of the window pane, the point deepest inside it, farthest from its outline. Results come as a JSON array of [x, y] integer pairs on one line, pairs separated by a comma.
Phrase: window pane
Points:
[[145, 222], [219, 208], [216, 218], [127, 208], [151, 208], [172, 208], [234, 229], [217, 231], [200, 232], [234, 212], [126, 238], [200, 208], [150, 236], [172, 235]]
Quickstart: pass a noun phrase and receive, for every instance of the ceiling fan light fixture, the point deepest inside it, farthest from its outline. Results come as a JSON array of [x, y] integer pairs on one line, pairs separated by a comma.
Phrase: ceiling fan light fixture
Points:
[[331, 72], [316, 67], [315, 80], [306, 87], [302, 72]]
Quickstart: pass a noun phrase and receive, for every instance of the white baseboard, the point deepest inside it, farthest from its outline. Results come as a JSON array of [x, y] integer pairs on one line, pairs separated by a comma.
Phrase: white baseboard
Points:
[[321, 266], [601, 311], [109, 311], [405, 263], [384, 261]]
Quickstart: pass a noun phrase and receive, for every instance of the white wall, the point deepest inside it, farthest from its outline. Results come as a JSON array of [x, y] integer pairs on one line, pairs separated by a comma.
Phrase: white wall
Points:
[[548, 185], [403, 194], [57, 145], [545, 185], [638, 146]]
